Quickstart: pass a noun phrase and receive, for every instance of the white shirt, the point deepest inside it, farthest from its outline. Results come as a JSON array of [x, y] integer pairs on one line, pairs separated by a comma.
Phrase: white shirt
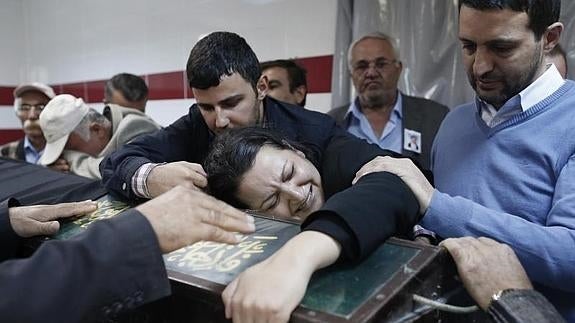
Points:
[[549, 82]]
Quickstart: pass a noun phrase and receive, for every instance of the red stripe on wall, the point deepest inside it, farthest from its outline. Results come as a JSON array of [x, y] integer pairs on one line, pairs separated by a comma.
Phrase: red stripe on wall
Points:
[[318, 73], [7, 135], [95, 91], [173, 85], [76, 89], [165, 86], [7, 95]]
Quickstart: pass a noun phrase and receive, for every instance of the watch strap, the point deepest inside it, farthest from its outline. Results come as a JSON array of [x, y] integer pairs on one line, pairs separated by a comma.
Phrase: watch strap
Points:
[[522, 305]]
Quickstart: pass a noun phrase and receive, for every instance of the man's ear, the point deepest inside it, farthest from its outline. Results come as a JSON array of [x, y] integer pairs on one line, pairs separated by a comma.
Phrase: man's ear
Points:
[[551, 36], [300, 93], [262, 87], [97, 129]]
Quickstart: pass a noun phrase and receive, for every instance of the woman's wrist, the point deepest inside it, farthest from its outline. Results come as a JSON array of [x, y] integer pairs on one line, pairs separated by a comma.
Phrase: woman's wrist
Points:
[[308, 251]]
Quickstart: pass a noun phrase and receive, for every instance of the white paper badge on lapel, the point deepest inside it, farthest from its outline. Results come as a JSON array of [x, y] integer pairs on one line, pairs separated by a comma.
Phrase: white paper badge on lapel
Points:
[[412, 140]]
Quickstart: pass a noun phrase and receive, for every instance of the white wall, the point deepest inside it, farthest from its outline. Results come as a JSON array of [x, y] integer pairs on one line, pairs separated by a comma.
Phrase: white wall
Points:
[[84, 40], [12, 37], [66, 41]]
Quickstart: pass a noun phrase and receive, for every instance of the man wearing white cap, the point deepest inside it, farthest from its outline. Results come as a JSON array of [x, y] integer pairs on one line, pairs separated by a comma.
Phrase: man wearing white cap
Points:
[[29, 100], [83, 137]]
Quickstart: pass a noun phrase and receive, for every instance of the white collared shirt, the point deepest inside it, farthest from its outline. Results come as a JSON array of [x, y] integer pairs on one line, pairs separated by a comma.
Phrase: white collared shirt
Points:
[[31, 154], [549, 82], [392, 136]]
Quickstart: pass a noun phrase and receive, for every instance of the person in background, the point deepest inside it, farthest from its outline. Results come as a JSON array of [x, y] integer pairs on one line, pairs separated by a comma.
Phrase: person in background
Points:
[[82, 137], [126, 90], [380, 113], [29, 100], [286, 80]]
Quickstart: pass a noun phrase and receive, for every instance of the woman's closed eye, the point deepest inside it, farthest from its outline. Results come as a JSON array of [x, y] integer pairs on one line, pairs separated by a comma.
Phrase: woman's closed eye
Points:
[[270, 202], [273, 200], [288, 174]]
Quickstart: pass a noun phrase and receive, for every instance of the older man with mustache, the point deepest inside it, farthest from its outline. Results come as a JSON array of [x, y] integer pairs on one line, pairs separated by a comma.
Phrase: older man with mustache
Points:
[[29, 100]]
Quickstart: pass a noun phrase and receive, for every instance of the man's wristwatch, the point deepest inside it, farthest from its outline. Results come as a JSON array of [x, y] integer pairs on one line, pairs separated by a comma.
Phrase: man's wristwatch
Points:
[[521, 305], [502, 306]]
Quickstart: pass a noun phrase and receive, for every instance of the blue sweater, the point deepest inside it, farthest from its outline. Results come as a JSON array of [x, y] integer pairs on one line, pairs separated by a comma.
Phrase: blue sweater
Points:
[[514, 183]]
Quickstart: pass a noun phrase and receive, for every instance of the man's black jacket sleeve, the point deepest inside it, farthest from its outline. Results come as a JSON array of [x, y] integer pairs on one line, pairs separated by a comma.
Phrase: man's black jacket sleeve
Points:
[[115, 265]]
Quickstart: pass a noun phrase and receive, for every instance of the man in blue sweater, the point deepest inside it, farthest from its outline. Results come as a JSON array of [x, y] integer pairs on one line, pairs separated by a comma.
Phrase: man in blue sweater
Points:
[[504, 164]]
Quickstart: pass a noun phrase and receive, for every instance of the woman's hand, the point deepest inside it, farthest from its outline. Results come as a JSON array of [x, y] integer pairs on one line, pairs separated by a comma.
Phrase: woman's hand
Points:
[[272, 289]]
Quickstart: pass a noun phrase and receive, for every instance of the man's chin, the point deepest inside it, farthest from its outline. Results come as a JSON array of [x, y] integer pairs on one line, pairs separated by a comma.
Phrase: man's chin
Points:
[[373, 91], [495, 100]]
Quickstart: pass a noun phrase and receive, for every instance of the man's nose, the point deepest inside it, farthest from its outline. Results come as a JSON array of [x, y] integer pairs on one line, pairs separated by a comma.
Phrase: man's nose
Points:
[[222, 121], [482, 62], [33, 113], [372, 71]]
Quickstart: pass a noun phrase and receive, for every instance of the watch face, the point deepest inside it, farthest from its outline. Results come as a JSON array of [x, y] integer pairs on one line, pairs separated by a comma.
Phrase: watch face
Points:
[[497, 295]]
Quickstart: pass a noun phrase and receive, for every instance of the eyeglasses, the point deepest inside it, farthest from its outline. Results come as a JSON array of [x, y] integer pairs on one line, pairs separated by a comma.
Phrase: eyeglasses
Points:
[[26, 108], [379, 64]]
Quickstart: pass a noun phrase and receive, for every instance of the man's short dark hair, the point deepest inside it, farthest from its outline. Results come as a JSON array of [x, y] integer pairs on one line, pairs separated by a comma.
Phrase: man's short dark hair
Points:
[[542, 13], [221, 54], [233, 153], [296, 73], [132, 87]]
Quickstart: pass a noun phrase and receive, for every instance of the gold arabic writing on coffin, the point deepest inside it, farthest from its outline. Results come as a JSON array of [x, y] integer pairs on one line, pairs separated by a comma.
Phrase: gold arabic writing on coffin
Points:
[[106, 209], [206, 255]]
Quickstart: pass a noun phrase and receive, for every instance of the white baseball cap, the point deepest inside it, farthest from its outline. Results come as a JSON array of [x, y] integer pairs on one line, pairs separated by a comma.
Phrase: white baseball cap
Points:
[[58, 119]]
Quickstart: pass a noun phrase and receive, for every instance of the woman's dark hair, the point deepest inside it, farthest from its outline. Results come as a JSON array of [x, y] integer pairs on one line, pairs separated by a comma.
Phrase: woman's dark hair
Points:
[[233, 154]]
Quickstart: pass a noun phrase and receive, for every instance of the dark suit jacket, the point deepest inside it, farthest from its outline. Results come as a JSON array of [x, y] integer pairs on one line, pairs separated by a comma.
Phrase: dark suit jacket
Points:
[[114, 266], [32, 184], [422, 115], [13, 150]]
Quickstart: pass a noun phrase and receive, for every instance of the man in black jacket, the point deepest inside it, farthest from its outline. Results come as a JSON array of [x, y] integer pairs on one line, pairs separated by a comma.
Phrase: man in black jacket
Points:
[[224, 75], [225, 78]]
